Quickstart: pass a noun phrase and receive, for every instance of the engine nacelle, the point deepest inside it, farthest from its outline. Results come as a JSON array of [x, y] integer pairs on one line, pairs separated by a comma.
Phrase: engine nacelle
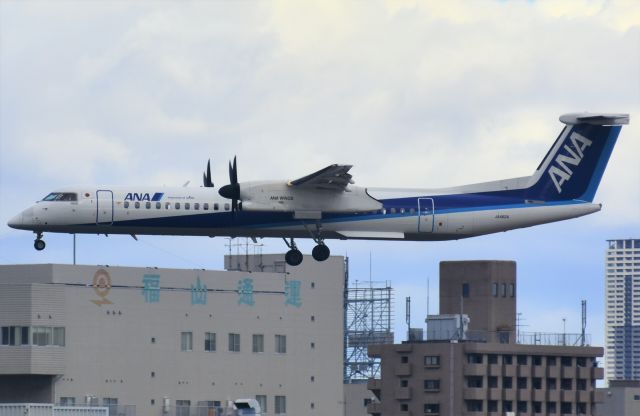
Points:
[[281, 197]]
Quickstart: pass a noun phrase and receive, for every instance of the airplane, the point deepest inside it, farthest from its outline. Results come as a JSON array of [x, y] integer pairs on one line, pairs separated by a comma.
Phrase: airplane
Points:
[[327, 205]]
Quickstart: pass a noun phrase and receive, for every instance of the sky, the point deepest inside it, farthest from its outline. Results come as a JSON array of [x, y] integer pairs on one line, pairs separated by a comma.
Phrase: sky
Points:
[[412, 93]]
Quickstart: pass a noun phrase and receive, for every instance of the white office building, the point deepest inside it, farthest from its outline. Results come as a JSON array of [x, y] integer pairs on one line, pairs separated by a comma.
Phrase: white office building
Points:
[[622, 290], [154, 342]]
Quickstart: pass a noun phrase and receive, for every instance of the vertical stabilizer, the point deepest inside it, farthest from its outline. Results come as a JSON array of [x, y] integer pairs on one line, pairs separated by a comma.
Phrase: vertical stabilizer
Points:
[[573, 167]]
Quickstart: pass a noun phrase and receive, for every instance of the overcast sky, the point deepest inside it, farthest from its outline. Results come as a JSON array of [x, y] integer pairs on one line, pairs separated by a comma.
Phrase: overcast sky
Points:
[[413, 94]]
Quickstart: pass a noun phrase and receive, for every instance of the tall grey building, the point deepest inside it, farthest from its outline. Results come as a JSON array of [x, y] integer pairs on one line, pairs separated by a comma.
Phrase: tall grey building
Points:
[[623, 310], [169, 340]]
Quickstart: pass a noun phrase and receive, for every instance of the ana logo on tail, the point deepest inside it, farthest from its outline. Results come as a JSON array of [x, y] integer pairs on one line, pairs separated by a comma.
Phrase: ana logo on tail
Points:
[[560, 172]]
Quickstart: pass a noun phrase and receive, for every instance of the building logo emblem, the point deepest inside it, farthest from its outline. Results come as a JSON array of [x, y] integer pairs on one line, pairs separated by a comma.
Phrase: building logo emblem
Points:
[[102, 287]]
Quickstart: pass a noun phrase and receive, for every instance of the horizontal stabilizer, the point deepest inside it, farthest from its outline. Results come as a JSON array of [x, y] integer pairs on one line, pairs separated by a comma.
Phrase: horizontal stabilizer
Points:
[[596, 119]]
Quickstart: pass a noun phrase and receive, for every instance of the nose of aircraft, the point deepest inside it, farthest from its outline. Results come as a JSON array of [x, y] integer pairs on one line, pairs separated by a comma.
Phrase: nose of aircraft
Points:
[[16, 221]]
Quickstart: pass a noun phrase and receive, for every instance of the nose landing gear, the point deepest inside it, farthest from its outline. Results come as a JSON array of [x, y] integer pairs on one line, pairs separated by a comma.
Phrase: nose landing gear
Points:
[[39, 243]]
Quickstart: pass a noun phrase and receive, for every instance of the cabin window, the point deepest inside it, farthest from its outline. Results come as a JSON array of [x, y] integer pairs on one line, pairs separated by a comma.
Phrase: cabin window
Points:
[[126, 204], [205, 206], [167, 205], [216, 206], [187, 205], [147, 205], [226, 207], [158, 205], [177, 205], [137, 204], [401, 210], [412, 211], [196, 206], [392, 210]]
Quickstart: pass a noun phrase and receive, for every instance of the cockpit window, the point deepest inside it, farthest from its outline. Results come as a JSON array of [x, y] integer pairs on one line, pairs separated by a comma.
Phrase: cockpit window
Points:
[[61, 196]]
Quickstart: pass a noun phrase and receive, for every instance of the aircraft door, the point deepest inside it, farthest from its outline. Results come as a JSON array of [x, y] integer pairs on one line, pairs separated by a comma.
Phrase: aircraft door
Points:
[[104, 207], [425, 215]]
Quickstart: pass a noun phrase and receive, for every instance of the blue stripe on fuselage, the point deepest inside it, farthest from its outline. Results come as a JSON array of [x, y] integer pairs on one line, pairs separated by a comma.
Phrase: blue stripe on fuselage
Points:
[[444, 204]]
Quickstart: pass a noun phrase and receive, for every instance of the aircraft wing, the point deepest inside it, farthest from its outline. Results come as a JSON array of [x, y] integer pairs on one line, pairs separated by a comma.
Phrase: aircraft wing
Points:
[[334, 177]]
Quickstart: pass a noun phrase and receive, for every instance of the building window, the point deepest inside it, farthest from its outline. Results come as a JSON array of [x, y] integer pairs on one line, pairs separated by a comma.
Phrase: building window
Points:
[[492, 358], [503, 337], [404, 383], [522, 406], [258, 343], [67, 401], [183, 407], [581, 408], [507, 406], [581, 384], [432, 360], [566, 384], [474, 358], [281, 344], [186, 341], [404, 359], [474, 381], [465, 290], [581, 361], [512, 290], [209, 341], [262, 401], [551, 361], [507, 359], [112, 404], [503, 290], [522, 359], [536, 382], [432, 385], [474, 405], [551, 384], [551, 408], [492, 406], [537, 407], [565, 407], [404, 407], [507, 383], [494, 289], [566, 361], [537, 360], [281, 405], [58, 336], [522, 383], [432, 408], [493, 382], [234, 342]]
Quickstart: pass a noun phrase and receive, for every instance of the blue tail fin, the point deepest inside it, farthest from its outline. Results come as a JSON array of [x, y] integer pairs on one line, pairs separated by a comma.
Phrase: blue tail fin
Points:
[[574, 165]]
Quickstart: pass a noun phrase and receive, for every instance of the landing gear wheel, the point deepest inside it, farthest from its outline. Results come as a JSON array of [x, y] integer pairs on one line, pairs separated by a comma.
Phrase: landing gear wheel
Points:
[[320, 252], [293, 257], [39, 244]]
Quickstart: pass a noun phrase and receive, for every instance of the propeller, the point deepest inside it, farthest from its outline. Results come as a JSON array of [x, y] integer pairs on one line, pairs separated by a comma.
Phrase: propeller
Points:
[[232, 190], [206, 176]]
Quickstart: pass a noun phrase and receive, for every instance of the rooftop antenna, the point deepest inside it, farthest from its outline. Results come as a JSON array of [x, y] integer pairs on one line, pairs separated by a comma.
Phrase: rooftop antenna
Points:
[[370, 274], [584, 323], [408, 316], [74, 249]]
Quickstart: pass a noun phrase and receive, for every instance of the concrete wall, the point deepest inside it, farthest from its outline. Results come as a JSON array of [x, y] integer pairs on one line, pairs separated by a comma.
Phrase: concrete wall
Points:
[[124, 341]]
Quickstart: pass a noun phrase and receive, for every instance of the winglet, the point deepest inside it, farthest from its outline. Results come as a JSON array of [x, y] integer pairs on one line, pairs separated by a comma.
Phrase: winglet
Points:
[[596, 119]]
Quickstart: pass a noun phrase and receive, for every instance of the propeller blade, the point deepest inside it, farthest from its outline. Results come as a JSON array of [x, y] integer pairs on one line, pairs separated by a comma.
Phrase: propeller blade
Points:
[[234, 178], [206, 176]]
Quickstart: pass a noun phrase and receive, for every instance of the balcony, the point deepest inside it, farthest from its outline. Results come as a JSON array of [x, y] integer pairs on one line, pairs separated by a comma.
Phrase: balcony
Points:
[[474, 394], [374, 384], [31, 359], [374, 408], [539, 395], [403, 369], [475, 369], [402, 393], [495, 394]]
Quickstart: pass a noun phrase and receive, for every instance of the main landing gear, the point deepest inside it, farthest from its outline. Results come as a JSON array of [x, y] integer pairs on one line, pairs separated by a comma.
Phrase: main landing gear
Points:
[[320, 252], [39, 243]]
